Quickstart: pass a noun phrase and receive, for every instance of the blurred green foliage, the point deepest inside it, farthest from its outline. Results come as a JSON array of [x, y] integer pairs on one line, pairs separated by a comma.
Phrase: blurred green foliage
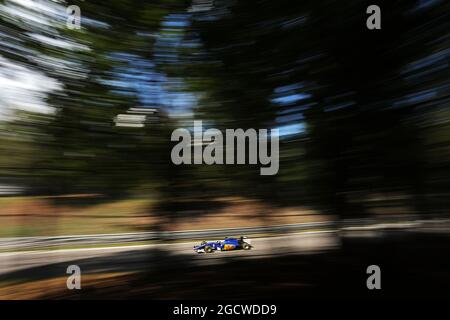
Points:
[[371, 105]]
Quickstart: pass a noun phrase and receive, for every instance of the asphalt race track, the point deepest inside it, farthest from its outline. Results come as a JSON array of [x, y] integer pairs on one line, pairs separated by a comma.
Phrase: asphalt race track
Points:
[[129, 258]]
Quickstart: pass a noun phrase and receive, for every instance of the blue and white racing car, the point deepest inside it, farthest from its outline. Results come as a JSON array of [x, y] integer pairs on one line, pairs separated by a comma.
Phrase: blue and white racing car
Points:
[[225, 245]]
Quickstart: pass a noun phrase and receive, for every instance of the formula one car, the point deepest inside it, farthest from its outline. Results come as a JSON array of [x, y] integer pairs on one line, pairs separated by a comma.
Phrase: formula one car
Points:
[[225, 245]]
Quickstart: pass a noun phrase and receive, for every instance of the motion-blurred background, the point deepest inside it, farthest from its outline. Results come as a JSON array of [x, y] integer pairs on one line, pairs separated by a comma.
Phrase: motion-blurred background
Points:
[[86, 117]]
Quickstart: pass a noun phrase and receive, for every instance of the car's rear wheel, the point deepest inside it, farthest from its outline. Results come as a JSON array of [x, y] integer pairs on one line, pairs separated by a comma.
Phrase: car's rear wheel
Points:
[[208, 249], [245, 246]]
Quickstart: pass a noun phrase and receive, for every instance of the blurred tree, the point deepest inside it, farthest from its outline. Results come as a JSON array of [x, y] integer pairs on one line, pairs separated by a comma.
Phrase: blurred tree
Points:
[[82, 149], [360, 110], [345, 83]]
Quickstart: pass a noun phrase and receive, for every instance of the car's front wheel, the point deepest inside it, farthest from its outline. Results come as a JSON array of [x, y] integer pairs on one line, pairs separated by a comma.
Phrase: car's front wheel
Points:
[[208, 249], [246, 246]]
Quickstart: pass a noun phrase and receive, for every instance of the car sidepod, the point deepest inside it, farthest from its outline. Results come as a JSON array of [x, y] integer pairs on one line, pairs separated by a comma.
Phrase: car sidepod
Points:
[[230, 244]]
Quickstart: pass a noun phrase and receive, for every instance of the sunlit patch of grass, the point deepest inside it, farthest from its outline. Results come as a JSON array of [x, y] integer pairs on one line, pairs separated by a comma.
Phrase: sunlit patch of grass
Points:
[[38, 216], [93, 214]]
